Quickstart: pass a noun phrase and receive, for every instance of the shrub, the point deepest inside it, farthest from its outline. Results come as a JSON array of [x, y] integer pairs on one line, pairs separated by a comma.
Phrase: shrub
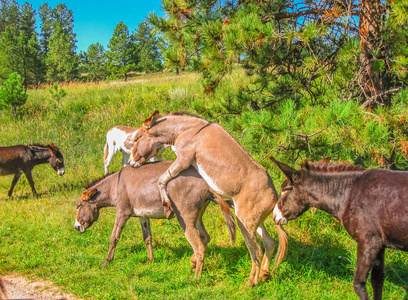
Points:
[[12, 94]]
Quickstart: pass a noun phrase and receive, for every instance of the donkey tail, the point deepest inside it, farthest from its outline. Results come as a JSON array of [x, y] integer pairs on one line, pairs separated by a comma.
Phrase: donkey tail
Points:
[[3, 292], [283, 246], [228, 216]]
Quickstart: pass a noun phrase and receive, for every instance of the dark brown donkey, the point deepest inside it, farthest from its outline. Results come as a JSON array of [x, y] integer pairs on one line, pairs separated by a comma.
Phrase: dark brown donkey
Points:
[[22, 159], [134, 192], [372, 205], [226, 167]]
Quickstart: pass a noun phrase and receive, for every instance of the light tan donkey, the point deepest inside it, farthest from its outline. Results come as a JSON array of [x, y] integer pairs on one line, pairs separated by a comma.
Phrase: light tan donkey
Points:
[[134, 193], [226, 167]]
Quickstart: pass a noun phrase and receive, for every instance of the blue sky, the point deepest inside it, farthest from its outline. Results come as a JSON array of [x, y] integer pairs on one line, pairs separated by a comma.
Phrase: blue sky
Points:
[[94, 21]]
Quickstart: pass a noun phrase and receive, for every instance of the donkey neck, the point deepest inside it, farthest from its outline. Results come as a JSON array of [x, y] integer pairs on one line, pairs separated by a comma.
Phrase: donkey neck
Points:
[[330, 192], [106, 187], [168, 128], [41, 155]]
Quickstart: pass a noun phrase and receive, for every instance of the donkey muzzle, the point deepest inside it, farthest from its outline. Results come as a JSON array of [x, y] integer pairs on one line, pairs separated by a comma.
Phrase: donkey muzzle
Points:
[[61, 171], [277, 216], [79, 227]]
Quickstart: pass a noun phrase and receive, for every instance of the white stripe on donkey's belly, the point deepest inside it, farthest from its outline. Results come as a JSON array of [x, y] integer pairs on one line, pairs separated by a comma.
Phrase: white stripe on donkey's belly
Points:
[[207, 179]]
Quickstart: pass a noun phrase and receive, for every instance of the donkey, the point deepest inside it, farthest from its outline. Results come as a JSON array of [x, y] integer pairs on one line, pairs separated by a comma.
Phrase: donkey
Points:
[[372, 206], [134, 192], [121, 138], [23, 158], [226, 167]]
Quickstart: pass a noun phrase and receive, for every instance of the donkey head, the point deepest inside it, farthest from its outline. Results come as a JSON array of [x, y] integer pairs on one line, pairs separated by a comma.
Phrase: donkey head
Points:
[[87, 211], [146, 145], [57, 159], [291, 203]]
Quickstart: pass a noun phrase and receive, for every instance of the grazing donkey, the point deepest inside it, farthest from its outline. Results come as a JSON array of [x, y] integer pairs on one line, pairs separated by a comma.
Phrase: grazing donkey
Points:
[[134, 192], [226, 167], [22, 159], [372, 205], [121, 138]]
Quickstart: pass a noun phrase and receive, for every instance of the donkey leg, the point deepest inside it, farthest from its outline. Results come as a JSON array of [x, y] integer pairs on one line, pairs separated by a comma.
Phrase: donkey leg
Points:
[[110, 152], [177, 166], [205, 239], [194, 239], [14, 182], [249, 233], [269, 245], [117, 229], [147, 236], [366, 255], [31, 181], [125, 158], [377, 275]]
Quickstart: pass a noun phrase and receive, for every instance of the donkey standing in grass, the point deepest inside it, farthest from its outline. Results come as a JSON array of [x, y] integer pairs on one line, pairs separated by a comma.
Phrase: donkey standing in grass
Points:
[[134, 192], [121, 138], [22, 159], [226, 167], [372, 205]]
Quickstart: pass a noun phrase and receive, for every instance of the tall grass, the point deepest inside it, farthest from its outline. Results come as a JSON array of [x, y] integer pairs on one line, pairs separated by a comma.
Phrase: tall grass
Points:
[[37, 237]]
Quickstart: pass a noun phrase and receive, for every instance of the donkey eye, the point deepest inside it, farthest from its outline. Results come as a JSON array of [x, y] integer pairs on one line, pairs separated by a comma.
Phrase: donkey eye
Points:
[[288, 188]]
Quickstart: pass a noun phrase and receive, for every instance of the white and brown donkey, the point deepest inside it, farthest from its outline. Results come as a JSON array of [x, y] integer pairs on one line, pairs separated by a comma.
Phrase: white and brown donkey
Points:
[[226, 167], [121, 138], [134, 193]]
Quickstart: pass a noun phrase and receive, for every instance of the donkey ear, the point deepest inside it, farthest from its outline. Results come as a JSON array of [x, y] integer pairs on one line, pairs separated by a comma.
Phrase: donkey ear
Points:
[[51, 149], [151, 120], [290, 173], [88, 194]]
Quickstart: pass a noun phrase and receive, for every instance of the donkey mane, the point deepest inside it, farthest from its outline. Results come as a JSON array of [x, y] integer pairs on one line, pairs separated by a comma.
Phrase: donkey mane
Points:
[[180, 113], [318, 167], [42, 147], [92, 184]]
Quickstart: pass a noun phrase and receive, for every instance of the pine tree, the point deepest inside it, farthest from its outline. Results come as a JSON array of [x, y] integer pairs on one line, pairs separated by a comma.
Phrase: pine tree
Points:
[[180, 32], [9, 16], [61, 61], [95, 62], [120, 56], [10, 61], [45, 13], [147, 49], [291, 50], [11, 93]]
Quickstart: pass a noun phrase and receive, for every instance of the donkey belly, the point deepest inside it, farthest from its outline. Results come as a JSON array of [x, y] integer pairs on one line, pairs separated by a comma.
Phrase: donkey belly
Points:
[[153, 212]]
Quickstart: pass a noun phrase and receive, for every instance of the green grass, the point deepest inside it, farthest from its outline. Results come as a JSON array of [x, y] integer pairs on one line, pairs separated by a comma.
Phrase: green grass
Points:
[[37, 237]]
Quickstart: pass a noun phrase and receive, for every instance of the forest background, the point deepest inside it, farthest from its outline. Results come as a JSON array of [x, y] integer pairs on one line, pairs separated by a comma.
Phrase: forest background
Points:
[[295, 80]]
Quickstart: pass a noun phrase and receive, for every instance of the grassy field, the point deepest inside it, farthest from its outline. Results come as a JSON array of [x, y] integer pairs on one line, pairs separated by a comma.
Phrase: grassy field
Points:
[[37, 237]]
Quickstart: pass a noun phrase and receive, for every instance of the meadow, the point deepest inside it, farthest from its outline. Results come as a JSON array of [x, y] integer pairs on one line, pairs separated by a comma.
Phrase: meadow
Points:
[[37, 235]]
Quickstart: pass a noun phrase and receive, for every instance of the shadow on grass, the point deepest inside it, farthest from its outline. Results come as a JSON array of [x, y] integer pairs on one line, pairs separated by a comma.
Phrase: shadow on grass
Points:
[[397, 275]]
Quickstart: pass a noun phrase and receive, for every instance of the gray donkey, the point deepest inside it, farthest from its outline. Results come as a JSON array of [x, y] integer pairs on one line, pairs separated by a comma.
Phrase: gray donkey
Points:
[[134, 192]]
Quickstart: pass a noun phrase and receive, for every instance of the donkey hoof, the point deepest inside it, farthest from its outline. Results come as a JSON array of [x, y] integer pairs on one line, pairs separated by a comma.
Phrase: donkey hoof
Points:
[[252, 283], [105, 265], [168, 212], [264, 276]]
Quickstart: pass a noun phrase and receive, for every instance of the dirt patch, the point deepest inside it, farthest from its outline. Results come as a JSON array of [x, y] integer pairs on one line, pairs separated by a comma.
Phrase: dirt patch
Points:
[[21, 288]]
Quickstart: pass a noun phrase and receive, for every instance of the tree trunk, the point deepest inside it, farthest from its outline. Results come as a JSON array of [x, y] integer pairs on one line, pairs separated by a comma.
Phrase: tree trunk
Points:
[[373, 82]]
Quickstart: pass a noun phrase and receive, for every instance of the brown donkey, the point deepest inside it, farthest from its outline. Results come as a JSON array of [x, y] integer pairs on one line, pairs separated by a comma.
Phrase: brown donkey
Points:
[[226, 167], [21, 159], [134, 192], [372, 206]]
